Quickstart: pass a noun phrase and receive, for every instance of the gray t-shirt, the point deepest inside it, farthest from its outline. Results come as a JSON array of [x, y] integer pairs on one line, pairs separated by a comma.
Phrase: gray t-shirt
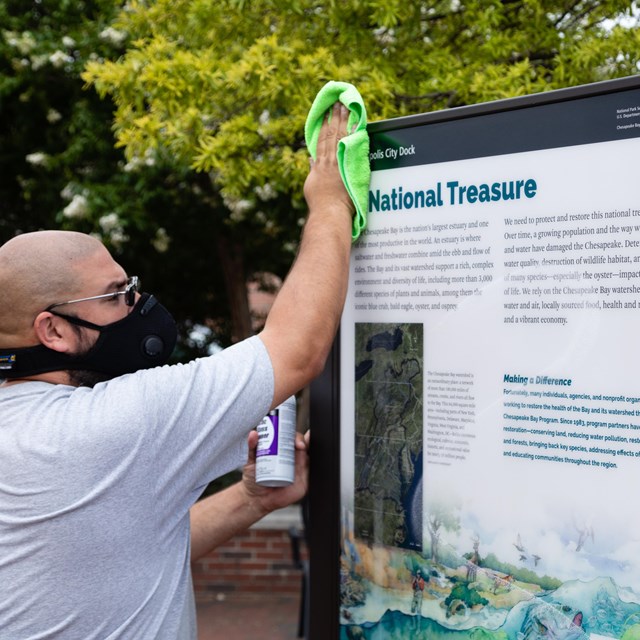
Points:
[[95, 490]]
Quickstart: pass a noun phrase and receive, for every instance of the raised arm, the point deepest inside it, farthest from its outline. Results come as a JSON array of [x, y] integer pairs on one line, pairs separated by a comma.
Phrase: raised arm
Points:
[[305, 315]]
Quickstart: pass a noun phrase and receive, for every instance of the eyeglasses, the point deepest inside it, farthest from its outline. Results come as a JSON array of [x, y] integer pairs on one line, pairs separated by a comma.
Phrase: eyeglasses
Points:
[[128, 293]]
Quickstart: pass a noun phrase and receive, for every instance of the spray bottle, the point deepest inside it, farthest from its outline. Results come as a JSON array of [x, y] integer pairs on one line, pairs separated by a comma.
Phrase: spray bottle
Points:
[[275, 455]]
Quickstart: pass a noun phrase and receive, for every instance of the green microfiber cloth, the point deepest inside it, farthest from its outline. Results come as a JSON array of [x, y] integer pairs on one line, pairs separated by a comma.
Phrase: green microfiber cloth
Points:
[[353, 149]]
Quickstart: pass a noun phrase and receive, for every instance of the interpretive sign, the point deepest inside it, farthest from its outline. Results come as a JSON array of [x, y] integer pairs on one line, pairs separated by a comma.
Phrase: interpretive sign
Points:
[[489, 375]]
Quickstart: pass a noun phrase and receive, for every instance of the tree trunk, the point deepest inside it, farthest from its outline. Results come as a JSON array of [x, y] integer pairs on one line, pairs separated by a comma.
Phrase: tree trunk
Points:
[[231, 257], [434, 548]]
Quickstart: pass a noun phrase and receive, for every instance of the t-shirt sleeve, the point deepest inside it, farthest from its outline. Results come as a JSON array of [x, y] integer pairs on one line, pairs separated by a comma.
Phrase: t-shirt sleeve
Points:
[[195, 417]]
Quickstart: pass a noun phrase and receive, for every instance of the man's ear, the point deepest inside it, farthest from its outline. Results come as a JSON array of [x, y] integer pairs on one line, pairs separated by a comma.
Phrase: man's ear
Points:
[[55, 332]]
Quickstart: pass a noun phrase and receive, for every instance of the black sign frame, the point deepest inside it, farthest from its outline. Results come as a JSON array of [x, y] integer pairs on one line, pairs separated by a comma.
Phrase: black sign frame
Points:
[[551, 131]]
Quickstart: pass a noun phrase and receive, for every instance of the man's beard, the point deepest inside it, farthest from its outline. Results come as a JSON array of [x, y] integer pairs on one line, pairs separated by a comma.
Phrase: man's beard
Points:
[[83, 378]]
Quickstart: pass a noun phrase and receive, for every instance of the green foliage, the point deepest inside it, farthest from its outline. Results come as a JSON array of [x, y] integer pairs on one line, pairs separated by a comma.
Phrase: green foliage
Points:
[[44, 129], [61, 169], [520, 573], [484, 634], [208, 100], [226, 85], [411, 561], [468, 595]]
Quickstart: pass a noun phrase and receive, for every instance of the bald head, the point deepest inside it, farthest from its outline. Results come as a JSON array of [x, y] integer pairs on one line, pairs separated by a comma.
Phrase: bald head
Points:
[[36, 270]]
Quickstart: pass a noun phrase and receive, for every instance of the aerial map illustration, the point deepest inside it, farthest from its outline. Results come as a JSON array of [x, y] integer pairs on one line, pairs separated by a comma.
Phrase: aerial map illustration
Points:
[[388, 434]]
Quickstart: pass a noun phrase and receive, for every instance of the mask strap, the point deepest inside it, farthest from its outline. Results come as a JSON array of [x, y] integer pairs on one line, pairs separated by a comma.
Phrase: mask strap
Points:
[[78, 321]]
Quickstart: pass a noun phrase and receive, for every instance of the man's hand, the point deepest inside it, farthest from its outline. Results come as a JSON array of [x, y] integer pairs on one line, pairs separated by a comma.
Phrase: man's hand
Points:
[[267, 499], [323, 188], [216, 519]]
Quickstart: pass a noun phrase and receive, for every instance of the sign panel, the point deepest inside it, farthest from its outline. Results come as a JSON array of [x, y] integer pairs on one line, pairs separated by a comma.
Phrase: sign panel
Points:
[[489, 376]]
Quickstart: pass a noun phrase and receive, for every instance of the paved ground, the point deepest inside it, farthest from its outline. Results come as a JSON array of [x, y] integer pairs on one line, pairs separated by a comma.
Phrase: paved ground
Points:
[[270, 617]]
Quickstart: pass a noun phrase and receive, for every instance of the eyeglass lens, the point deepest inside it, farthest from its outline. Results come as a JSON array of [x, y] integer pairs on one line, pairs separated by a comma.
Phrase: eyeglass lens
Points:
[[133, 286]]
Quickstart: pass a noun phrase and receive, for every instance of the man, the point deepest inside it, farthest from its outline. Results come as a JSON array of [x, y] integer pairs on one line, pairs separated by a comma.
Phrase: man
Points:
[[418, 591], [98, 479]]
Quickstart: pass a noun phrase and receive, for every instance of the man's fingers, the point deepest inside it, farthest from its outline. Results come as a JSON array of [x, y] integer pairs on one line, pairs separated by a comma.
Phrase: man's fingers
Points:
[[333, 128], [327, 135], [300, 443], [252, 442], [343, 124]]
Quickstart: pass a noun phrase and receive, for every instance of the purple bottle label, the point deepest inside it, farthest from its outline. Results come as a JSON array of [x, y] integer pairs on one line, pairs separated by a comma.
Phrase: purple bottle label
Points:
[[275, 453], [268, 437]]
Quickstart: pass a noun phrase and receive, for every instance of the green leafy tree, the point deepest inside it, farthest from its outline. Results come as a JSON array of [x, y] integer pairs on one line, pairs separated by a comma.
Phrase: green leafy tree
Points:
[[60, 167], [210, 98], [469, 596], [51, 131], [223, 87], [226, 85]]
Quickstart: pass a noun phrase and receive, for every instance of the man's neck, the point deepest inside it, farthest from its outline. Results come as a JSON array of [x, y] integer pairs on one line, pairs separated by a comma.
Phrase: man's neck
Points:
[[51, 377]]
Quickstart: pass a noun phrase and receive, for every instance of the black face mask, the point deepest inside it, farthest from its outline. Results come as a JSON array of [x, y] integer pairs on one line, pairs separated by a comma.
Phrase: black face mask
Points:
[[143, 339]]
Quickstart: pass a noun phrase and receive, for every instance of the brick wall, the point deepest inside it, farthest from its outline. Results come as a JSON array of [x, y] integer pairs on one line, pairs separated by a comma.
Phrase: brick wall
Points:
[[257, 561]]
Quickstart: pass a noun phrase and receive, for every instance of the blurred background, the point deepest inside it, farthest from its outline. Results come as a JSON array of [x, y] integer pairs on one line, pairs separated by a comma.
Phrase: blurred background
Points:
[[173, 129]]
